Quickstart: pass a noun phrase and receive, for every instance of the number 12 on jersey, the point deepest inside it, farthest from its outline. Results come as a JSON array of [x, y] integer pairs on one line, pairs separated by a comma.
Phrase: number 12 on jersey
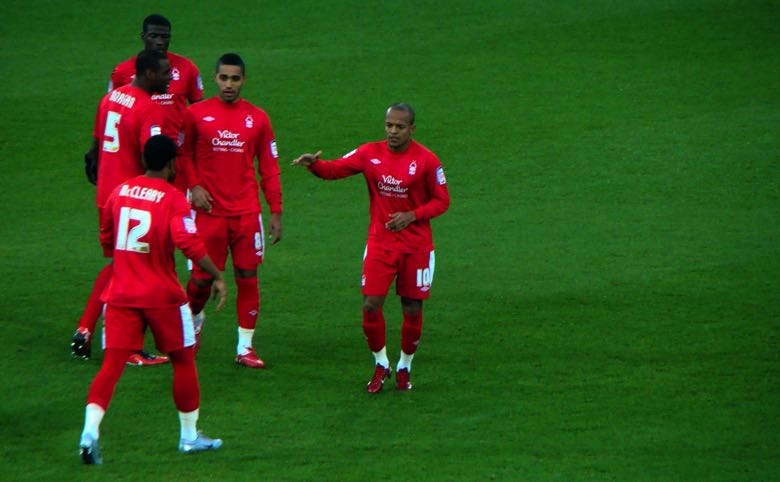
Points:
[[127, 238]]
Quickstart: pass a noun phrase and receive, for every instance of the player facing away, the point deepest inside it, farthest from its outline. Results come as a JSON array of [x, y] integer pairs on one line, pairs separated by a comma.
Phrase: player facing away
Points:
[[222, 137], [185, 84], [407, 188], [145, 219], [126, 118]]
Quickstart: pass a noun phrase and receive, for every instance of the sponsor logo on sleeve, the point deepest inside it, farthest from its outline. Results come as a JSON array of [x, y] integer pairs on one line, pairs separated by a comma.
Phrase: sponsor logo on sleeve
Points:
[[155, 130], [175, 75], [189, 225], [274, 151], [440, 176], [249, 122]]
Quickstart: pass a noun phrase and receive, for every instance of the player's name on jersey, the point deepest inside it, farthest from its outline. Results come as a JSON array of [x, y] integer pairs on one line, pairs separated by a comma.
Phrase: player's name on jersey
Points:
[[138, 192], [122, 99]]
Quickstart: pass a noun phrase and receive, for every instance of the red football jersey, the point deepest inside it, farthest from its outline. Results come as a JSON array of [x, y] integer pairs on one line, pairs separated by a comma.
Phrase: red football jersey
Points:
[[145, 220], [186, 84], [221, 142], [126, 118], [412, 180]]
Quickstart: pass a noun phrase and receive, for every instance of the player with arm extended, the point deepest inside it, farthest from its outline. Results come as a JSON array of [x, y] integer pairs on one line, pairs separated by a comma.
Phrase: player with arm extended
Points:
[[407, 188], [126, 118], [222, 137], [145, 219]]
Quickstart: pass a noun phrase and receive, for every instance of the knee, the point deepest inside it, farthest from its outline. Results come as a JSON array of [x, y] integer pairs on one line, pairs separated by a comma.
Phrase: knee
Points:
[[202, 282], [245, 273], [410, 306], [373, 303]]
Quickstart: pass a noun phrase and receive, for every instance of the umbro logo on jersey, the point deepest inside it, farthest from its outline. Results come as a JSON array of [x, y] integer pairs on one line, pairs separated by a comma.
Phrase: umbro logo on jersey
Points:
[[208, 118], [376, 161]]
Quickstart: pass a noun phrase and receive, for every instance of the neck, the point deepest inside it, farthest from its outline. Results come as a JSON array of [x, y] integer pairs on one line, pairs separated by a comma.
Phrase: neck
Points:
[[400, 148], [156, 174]]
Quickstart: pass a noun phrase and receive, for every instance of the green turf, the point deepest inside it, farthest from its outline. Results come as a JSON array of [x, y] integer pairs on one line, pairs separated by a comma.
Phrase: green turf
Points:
[[606, 297]]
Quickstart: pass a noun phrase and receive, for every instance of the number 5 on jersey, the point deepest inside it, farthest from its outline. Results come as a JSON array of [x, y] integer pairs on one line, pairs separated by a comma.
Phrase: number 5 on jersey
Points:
[[111, 132], [127, 238]]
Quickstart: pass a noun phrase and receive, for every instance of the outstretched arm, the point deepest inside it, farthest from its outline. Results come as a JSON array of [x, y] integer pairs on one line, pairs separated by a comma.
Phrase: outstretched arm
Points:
[[307, 159]]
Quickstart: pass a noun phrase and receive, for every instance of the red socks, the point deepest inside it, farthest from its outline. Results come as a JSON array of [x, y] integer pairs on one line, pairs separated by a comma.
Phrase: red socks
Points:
[[197, 296], [247, 302], [411, 329], [374, 328], [94, 307], [102, 388], [186, 389]]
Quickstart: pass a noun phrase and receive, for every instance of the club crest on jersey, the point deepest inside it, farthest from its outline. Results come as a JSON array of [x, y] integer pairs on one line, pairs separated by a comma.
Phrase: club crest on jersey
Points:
[[249, 122], [412, 168], [155, 130], [440, 176], [175, 74]]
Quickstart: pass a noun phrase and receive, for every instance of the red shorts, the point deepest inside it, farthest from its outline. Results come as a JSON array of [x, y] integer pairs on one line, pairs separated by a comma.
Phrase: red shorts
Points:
[[413, 272], [242, 234], [125, 327]]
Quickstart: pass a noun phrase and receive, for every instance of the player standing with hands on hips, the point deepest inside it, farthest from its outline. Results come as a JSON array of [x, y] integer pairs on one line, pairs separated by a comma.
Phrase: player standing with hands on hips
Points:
[[222, 137], [407, 188], [145, 218]]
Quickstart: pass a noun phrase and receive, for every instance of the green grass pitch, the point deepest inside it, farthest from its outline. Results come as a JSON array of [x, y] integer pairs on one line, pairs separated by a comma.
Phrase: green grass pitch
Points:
[[606, 303]]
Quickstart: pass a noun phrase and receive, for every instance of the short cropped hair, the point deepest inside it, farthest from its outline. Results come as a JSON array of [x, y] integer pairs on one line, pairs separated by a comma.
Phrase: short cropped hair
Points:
[[159, 150], [156, 19], [404, 107], [148, 60], [231, 59]]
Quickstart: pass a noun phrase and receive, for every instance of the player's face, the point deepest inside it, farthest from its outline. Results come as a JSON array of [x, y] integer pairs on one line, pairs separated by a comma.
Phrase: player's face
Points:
[[163, 77], [398, 130], [229, 82], [156, 37]]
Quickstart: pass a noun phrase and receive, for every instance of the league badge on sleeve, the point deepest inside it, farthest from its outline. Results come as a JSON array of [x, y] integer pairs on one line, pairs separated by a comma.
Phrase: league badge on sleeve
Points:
[[189, 225], [274, 150], [200, 83], [440, 179]]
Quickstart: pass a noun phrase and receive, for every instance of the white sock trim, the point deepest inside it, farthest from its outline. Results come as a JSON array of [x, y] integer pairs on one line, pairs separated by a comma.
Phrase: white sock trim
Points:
[[189, 424], [381, 357], [405, 361]]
